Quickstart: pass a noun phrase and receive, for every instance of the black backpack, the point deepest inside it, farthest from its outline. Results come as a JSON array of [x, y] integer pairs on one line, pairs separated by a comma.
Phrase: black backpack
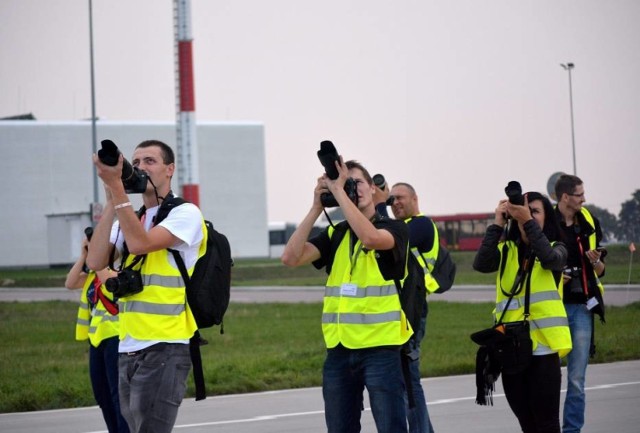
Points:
[[413, 292], [208, 289], [444, 270]]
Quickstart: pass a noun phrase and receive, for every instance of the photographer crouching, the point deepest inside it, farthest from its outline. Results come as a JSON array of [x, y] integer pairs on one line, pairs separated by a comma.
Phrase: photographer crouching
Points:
[[155, 320], [363, 324]]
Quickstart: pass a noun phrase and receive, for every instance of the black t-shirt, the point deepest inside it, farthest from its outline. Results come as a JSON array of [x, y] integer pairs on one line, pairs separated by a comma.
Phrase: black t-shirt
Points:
[[391, 262]]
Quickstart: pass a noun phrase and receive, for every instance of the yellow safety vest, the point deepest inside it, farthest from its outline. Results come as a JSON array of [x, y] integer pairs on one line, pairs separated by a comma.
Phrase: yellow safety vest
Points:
[[361, 309], [547, 320], [98, 324], [427, 260], [592, 243], [160, 311]]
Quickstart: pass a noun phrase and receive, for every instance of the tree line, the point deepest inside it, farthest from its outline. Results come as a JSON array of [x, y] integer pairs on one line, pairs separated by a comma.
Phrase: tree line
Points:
[[623, 228]]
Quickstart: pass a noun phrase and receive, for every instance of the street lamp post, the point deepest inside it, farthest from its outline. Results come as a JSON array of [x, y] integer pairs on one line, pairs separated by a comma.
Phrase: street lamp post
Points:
[[94, 135], [568, 67]]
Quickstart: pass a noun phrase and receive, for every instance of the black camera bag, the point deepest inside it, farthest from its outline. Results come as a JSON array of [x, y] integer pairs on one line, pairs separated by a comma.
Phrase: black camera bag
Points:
[[505, 348]]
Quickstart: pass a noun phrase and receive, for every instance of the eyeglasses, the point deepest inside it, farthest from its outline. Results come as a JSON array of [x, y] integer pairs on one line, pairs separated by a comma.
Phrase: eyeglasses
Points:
[[577, 195]]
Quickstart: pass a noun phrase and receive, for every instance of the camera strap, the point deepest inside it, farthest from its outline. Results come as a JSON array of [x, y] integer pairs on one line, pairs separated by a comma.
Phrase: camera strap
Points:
[[584, 268], [109, 305], [523, 272]]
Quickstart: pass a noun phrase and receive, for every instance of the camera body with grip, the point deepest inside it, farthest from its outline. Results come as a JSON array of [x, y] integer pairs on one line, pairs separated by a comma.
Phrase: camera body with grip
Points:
[[128, 282], [328, 155], [133, 179]]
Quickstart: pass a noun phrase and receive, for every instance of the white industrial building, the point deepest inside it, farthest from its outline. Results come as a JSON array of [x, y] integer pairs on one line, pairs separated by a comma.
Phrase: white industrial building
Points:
[[48, 177]]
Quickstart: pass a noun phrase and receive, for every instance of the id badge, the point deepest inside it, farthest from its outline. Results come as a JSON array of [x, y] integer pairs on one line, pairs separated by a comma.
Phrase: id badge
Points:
[[592, 302], [349, 289]]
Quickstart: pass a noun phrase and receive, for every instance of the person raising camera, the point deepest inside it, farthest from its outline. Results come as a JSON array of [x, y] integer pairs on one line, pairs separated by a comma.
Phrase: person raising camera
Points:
[[362, 320], [529, 262], [583, 291], [155, 320]]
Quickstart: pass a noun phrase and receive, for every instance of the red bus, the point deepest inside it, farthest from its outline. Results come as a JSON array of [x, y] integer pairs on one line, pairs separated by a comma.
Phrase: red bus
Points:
[[464, 231]]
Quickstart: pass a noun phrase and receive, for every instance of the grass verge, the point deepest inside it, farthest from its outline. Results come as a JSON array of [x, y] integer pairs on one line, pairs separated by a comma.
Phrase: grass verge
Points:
[[264, 347], [270, 272]]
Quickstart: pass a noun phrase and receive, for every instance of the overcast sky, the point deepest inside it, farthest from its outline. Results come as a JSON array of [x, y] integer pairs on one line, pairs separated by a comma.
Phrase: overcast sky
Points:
[[456, 97]]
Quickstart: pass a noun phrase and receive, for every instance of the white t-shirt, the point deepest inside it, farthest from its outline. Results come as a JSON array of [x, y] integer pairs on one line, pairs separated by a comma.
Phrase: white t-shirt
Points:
[[185, 223]]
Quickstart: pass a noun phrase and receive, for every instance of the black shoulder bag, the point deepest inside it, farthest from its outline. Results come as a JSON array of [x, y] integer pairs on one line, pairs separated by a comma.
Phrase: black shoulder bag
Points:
[[505, 347]]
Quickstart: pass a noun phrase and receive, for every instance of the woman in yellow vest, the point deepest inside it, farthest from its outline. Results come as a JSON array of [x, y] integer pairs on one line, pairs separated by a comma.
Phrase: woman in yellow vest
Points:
[[98, 322], [533, 394]]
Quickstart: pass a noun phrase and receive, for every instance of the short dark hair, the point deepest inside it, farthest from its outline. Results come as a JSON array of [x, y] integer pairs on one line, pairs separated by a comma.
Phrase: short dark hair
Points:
[[566, 184], [355, 164], [406, 185], [168, 157]]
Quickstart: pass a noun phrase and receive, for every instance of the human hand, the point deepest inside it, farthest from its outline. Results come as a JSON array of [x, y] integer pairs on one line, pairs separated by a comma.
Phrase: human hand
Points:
[[501, 213], [520, 213], [593, 256], [337, 185], [110, 175], [380, 195]]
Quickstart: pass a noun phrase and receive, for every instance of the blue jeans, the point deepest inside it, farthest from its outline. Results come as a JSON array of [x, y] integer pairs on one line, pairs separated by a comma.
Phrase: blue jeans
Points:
[[418, 416], [103, 371], [152, 385], [580, 324], [345, 374]]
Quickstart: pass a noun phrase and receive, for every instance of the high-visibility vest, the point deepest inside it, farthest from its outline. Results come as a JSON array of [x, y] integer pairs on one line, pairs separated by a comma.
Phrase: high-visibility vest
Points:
[[548, 319], [361, 309], [592, 242], [160, 311], [427, 259], [95, 324]]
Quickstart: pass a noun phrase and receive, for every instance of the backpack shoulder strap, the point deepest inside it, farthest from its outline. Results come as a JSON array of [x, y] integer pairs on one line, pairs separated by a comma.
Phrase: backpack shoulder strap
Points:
[[336, 234]]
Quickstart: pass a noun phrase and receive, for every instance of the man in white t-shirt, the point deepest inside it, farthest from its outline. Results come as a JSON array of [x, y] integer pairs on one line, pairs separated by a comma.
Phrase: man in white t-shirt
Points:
[[155, 322]]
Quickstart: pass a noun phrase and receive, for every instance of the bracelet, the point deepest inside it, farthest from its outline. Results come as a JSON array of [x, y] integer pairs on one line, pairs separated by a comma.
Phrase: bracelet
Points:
[[122, 205]]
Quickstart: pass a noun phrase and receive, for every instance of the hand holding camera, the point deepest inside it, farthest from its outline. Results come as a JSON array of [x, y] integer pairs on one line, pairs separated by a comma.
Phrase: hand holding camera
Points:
[[133, 179], [518, 207], [328, 156]]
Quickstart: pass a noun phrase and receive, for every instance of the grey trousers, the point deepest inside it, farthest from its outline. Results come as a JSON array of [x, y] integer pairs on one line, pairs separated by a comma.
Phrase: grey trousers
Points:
[[152, 383]]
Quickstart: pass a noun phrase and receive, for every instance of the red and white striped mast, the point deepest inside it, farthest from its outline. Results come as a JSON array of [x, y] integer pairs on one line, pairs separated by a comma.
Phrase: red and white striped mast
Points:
[[188, 179]]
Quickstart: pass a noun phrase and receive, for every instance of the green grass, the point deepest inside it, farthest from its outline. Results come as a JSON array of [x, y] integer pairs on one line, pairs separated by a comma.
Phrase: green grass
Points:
[[270, 272], [264, 347]]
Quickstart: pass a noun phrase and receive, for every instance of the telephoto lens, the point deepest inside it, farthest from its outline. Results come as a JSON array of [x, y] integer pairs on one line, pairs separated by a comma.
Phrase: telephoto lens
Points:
[[133, 179], [328, 155], [514, 192], [379, 181]]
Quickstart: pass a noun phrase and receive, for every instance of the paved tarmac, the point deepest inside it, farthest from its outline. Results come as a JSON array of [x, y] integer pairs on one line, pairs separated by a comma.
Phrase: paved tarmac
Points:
[[613, 400], [613, 390]]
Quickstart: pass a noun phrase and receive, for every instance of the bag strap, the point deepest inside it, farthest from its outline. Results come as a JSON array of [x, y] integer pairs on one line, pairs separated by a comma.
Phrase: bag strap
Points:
[[523, 271], [196, 341]]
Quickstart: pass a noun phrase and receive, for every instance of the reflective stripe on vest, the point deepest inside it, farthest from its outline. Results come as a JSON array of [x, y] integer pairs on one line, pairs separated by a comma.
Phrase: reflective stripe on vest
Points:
[[363, 292], [592, 242], [548, 319], [427, 259], [96, 325], [373, 316], [160, 311]]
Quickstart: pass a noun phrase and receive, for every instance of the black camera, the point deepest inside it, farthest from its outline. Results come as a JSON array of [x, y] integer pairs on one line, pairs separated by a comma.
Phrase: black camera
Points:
[[514, 192], [133, 179], [575, 284], [381, 183], [328, 155], [128, 282], [573, 271]]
